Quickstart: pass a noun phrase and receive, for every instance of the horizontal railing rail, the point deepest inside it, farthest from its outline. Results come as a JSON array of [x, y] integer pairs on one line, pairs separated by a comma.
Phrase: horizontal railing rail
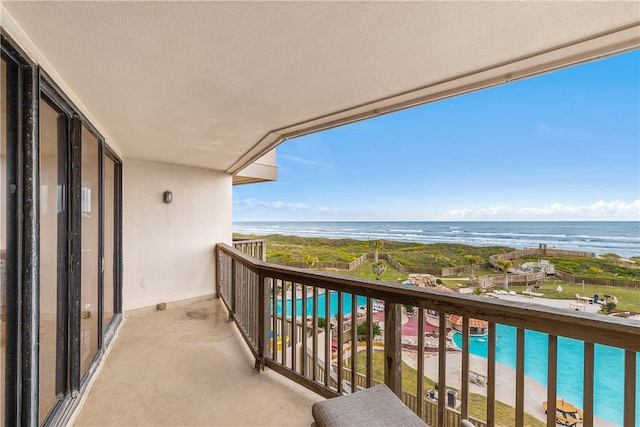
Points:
[[301, 323]]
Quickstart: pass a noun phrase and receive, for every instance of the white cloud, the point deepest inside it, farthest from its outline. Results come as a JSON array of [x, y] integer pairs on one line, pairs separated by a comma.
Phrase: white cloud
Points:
[[600, 210], [303, 161], [274, 204], [256, 210]]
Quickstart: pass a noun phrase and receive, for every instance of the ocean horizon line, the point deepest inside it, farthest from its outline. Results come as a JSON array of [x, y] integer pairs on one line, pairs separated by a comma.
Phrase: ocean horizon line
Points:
[[435, 220]]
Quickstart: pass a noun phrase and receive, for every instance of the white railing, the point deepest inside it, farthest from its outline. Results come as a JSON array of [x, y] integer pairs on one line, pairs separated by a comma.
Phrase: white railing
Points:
[[265, 301]]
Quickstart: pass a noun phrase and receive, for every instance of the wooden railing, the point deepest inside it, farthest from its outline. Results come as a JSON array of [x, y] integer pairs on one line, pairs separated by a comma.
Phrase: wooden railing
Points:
[[265, 302], [512, 280], [635, 284], [255, 248]]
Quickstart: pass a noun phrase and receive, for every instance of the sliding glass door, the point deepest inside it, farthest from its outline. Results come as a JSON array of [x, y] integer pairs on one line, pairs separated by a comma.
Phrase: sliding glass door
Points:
[[79, 204], [53, 256], [3, 234], [111, 169], [10, 229], [60, 246], [90, 241]]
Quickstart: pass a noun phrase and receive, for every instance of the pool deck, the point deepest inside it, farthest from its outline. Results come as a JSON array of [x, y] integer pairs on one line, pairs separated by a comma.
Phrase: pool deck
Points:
[[558, 303], [535, 393]]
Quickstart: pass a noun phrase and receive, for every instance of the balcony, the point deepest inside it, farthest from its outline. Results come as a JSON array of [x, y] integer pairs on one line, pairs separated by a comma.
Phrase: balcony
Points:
[[190, 364]]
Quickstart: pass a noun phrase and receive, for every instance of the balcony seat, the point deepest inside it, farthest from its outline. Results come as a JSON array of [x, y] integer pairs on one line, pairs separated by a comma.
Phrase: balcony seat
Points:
[[376, 406]]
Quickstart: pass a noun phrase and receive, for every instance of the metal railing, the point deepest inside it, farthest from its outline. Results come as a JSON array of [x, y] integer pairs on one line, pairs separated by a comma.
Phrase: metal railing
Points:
[[280, 310]]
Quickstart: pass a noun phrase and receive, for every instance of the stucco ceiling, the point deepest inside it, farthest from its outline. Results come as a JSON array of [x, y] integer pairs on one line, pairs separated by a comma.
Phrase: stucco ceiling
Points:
[[213, 84]]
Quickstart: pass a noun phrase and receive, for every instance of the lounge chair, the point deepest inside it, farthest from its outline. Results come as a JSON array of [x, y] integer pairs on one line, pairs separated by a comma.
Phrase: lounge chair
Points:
[[477, 379], [373, 406]]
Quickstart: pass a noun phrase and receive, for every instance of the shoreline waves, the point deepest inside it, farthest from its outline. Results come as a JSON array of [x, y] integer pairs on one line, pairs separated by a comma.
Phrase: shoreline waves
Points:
[[618, 237]]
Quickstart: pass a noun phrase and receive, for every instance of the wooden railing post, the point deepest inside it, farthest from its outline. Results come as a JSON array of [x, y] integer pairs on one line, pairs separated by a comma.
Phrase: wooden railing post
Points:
[[464, 409], [263, 321], [232, 286], [629, 388], [393, 347], [442, 368], [218, 265]]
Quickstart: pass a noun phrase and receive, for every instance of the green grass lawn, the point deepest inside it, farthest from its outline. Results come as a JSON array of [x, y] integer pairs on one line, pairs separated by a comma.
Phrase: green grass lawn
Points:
[[628, 298], [611, 267], [505, 414], [364, 271]]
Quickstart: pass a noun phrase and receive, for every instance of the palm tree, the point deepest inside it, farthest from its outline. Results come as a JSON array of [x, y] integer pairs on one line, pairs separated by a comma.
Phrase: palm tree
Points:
[[378, 269], [504, 265], [472, 260], [376, 245], [310, 260]]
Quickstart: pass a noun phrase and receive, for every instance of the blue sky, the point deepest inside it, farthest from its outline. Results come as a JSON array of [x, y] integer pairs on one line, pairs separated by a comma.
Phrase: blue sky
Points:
[[562, 146]]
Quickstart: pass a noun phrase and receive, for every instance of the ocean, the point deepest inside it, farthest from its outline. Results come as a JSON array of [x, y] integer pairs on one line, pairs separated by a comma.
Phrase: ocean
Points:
[[618, 237]]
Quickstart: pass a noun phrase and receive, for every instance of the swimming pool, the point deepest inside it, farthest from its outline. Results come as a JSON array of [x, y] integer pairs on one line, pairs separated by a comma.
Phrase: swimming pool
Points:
[[608, 372], [333, 304]]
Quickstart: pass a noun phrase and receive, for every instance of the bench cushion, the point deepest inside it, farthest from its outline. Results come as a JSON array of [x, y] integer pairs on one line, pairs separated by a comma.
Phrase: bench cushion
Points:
[[376, 406]]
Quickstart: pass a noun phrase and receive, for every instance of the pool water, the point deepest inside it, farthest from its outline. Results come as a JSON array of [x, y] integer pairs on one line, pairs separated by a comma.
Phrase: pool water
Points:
[[333, 304], [608, 372]]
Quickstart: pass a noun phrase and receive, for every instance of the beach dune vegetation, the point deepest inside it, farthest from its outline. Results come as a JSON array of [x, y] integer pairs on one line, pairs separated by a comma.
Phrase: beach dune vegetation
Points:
[[282, 249]]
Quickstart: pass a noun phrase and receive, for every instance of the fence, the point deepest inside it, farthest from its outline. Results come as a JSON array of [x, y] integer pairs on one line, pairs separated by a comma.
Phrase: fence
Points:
[[518, 279], [597, 281], [512, 279], [254, 248], [541, 251]]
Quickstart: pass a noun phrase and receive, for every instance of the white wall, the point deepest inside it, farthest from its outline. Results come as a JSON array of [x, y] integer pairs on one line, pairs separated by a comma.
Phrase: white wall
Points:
[[263, 169], [168, 248]]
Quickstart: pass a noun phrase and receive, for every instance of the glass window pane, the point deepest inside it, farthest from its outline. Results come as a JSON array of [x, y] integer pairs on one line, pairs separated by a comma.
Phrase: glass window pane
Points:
[[90, 250], [52, 257], [3, 232], [109, 229]]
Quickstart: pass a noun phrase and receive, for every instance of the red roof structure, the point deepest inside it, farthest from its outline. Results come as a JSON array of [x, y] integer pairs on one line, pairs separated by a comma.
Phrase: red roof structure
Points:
[[474, 324]]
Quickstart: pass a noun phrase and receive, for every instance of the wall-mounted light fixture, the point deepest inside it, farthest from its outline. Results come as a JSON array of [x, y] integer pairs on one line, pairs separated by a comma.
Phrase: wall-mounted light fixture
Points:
[[167, 197]]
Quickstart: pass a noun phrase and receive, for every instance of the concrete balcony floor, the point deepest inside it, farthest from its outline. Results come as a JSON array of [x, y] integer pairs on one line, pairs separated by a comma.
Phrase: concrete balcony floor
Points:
[[189, 366]]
